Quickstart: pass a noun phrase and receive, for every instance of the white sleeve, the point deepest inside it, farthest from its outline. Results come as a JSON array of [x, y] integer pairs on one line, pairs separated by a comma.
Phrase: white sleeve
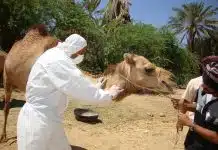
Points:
[[190, 91], [68, 79]]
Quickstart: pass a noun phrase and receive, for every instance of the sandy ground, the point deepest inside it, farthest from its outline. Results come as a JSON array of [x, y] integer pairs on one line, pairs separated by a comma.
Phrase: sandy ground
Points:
[[139, 122]]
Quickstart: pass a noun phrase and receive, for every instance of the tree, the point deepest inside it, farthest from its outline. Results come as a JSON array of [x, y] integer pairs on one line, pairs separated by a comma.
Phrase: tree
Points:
[[194, 20], [207, 45], [15, 17], [117, 10]]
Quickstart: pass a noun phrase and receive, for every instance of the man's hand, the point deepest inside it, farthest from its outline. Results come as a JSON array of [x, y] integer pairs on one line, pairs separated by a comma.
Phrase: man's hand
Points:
[[180, 104], [184, 120], [114, 91], [183, 105], [187, 106], [100, 82]]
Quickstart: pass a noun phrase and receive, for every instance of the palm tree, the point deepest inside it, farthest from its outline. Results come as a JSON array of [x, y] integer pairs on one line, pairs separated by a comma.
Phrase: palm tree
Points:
[[117, 10], [194, 20]]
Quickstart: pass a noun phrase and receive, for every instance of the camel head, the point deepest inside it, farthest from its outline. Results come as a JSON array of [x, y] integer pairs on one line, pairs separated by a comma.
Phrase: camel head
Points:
[[136, 74]]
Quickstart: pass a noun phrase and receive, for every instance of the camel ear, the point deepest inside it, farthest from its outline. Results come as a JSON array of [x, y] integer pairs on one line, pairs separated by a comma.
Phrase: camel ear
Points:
[[128, 58]]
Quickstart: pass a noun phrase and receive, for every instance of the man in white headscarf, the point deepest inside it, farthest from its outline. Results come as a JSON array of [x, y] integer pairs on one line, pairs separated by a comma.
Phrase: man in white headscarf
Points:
[[54, 76]]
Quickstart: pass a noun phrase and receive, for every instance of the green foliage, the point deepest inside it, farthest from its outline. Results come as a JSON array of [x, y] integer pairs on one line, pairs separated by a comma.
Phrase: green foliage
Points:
[[180, 61], [73, 19], [140, 39], [90, 5], [21, 13], [206, 46], [15, 17]]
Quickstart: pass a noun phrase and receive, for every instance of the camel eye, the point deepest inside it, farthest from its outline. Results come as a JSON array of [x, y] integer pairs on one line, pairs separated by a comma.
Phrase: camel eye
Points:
[[149, 70]]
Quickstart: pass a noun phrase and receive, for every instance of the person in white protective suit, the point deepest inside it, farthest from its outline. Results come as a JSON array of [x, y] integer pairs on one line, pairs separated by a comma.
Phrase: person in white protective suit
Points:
[[53, 77]]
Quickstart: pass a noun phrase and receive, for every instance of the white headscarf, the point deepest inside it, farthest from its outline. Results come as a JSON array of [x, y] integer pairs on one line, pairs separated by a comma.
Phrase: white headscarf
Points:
[[73, 44]]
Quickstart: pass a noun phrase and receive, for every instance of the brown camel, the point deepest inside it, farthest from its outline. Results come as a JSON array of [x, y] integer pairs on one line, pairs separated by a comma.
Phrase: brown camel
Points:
[[137, 74], [19, 61]]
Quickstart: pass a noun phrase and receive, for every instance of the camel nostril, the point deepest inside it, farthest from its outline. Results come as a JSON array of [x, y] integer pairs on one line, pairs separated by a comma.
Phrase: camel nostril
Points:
[[167, 85]]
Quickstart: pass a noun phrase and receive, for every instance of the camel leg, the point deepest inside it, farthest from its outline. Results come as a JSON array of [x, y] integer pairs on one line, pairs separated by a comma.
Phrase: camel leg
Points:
[[8, 92], [6, 112]]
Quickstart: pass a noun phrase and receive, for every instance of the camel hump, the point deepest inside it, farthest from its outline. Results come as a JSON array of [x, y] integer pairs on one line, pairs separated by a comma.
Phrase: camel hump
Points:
[[41, 28]]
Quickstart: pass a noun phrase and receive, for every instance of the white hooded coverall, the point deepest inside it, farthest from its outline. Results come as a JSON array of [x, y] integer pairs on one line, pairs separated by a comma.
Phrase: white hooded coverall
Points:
[[52, 78]]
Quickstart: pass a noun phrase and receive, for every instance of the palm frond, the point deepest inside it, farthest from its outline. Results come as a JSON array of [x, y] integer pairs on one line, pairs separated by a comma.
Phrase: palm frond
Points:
[[210, 13], [205, 11], [183, 37], [211, 22], [203, 32]]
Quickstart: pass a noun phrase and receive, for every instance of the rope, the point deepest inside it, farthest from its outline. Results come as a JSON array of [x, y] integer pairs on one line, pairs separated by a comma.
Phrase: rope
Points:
[[142, 87]]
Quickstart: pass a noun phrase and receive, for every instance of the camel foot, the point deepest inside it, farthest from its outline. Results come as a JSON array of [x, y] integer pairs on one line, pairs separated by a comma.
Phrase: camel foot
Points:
[[3, 138]]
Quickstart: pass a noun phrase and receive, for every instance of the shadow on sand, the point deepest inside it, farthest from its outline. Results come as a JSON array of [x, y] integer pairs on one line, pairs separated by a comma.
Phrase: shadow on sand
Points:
[[77, 148], [14, 141], [14, 103]]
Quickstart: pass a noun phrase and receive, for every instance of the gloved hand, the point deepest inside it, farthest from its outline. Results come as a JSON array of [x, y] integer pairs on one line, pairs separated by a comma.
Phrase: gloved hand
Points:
[[100, 82], [114, 91]]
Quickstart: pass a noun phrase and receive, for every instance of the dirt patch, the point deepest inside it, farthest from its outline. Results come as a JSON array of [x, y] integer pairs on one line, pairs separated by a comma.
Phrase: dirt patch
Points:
[[137, 122]]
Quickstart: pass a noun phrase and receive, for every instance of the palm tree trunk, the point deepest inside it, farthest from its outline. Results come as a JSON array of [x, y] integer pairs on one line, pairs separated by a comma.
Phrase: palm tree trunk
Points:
[[193, 44], [191, 41]]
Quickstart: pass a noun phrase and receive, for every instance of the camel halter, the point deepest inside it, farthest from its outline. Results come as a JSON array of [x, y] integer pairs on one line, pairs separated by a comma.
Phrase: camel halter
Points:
[[142, 87]]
